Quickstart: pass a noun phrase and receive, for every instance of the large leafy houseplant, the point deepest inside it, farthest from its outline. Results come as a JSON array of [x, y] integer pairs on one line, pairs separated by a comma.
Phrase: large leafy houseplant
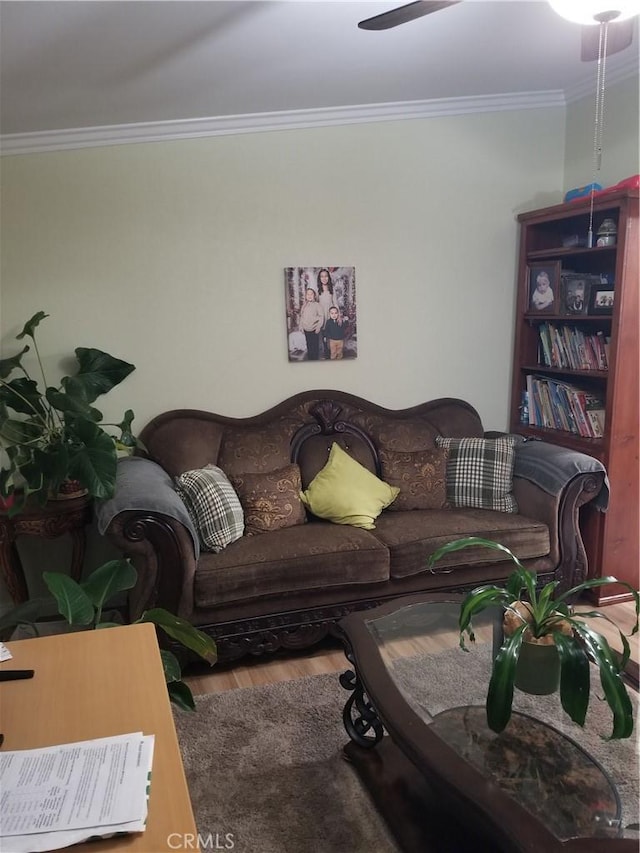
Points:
[[533, 614], [82, 604], [54, 434]]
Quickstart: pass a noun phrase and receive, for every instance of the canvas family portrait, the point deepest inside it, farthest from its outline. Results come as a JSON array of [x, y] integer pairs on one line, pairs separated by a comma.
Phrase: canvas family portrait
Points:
[[321, 313]]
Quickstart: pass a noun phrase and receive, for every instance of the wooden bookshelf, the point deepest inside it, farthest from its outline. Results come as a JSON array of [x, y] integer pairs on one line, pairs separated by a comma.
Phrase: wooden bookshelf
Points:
[[611, 538]]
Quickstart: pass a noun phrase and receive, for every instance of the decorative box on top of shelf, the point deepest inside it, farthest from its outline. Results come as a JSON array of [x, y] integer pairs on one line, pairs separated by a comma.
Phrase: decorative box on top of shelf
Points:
[[555, 237]]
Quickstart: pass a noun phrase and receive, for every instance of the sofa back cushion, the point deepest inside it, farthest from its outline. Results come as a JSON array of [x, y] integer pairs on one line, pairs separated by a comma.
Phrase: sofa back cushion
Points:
[[183, 441], [314, 454], [186, 439]]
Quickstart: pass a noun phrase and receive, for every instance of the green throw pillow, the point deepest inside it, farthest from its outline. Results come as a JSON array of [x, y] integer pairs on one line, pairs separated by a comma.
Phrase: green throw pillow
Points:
[[346, 493]]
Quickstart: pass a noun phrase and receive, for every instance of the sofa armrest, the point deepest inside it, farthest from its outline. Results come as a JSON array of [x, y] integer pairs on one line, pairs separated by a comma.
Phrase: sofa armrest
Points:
[[551, 483], [561, 515], [161, 549], [149, 523]]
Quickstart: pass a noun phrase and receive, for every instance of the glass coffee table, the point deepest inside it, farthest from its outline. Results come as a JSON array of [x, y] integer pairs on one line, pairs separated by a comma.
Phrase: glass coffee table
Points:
[[441, 778]]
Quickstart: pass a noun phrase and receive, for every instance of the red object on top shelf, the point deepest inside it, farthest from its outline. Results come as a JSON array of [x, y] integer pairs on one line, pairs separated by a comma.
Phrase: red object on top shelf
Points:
[[632, 183]]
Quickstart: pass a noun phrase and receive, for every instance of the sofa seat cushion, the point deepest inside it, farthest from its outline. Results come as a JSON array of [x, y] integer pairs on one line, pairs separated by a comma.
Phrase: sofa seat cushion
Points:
[[310, 556], [413, 536]]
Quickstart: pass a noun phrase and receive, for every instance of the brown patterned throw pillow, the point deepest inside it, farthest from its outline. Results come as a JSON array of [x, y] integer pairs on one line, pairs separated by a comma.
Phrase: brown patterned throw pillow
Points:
[[271, 500], [420, 475]]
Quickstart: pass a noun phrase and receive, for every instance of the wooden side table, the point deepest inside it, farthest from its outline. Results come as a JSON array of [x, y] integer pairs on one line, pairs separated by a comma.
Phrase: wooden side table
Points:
[[50, 521]]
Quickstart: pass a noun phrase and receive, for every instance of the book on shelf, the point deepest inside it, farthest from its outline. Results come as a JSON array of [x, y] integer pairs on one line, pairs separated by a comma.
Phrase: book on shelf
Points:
[[555, 404], [595, 413], [570, 347]]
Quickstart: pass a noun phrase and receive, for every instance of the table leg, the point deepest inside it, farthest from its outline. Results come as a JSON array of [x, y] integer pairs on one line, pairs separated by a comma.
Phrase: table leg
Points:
[[11, 566], [79, 541]]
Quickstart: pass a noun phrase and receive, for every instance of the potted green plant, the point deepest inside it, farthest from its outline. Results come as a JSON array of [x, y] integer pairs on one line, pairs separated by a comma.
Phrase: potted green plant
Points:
[[82, 604], [52, 435], [533, 616]]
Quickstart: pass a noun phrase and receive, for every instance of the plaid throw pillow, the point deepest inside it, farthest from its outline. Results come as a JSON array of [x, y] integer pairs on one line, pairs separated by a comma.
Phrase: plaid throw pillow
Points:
[[480, 472], [213, 505]]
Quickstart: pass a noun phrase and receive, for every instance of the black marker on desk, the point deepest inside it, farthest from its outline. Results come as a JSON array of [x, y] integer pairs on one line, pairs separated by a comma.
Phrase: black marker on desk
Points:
[[14, 674]]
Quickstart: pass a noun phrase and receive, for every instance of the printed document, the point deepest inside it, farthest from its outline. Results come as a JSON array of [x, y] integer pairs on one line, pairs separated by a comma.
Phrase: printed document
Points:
[[59, 795]]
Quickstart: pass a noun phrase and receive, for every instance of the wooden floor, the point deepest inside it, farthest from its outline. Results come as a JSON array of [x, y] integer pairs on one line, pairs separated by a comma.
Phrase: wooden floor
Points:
[[331, 659]]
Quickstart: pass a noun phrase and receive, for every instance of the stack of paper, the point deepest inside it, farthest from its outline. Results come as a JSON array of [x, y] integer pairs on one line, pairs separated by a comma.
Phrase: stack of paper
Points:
[[61, 795]]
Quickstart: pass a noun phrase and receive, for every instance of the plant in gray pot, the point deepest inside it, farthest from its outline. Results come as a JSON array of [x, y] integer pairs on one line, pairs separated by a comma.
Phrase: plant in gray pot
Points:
[[54, 435], [534, 618]]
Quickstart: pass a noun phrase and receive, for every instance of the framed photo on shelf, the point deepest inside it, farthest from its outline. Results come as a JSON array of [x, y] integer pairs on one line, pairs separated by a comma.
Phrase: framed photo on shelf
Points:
[[574, 294], [543, 286], [601, 300]]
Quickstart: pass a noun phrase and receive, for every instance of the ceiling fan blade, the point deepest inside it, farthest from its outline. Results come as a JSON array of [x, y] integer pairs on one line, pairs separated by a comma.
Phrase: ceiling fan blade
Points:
[[405, 13], [619, 36]]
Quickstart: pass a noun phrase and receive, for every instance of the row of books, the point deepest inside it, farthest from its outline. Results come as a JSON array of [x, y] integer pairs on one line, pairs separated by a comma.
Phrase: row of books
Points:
[[568, 346], [561, 405]]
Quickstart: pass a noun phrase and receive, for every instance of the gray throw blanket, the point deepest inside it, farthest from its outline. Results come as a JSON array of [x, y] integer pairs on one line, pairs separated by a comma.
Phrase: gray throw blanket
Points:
[[550, 467], [144, 485]]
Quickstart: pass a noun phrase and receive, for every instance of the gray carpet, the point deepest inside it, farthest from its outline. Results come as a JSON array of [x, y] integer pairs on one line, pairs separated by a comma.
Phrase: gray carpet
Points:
[[265, 764]]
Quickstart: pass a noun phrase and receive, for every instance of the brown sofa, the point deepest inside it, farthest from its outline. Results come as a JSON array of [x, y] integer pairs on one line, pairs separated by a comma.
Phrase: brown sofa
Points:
[[288, 587]]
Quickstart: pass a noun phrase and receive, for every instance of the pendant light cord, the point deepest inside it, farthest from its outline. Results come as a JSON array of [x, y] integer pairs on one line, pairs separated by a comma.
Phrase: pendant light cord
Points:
[[598, 125]]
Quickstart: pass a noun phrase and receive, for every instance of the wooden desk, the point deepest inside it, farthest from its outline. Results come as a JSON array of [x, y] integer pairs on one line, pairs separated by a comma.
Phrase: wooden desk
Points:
[[95, 684]]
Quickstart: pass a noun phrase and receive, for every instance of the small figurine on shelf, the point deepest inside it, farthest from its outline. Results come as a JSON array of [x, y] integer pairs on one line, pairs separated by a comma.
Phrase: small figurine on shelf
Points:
[[607, 233]]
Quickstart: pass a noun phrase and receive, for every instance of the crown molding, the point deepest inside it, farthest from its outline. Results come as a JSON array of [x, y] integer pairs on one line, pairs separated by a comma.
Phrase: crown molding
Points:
[[622, 71], [162, 131]]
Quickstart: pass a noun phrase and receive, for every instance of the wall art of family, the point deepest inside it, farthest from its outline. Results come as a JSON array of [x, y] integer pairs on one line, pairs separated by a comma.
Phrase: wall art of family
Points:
[[321, 313]]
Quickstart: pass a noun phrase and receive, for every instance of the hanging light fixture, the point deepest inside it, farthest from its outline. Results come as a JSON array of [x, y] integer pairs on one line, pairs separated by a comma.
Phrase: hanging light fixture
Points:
[[595, 11], [601, 12]]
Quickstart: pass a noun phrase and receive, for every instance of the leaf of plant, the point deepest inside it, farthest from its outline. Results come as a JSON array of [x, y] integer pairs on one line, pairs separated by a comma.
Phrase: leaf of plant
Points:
[[171, 666], [53, 463], [479, 599], [8, 365], [500, 694], [33, 477], [72, 401], [99, 372], [594, 582], [19, 432], [22, 396], [575, 678], [182, 631], [107, 580], [73, 602], [127, 438], [31, 325], [614, 688], [468, 542], [544, 599], [93, 460], [180, 695]]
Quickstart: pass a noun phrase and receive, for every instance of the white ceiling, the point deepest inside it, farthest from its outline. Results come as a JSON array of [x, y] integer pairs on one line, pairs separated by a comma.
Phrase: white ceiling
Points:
[[86, 64]]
